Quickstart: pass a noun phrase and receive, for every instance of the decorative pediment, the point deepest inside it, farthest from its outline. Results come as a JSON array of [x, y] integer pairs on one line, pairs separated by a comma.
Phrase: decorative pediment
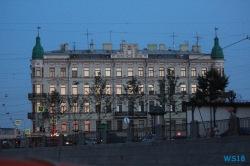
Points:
[[129, 51]]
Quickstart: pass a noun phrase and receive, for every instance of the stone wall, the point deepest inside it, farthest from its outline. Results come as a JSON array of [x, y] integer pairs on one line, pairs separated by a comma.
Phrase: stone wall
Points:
[[176, 152]]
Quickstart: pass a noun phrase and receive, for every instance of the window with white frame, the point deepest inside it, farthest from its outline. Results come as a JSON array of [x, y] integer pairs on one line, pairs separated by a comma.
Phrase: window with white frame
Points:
[[86, 107], [183, 88], [141, 89], [108, 89], [86, 72], [38, 89], [97, 71], [151, 89], [86, 126], [75, 108], [193, 88], [118, 89], [74, 89], [52, 72], [86, 89], [130, 72], [119, 107], [64, 126], [183, 72], [38, 72], [63, 107], [161, 72], [63, 89], [172, 71], [74, 72], [63, 72], [193, 72], [52, 88], [151, 72], [203, 71], [140, 72], [108, 72], [118, 72]]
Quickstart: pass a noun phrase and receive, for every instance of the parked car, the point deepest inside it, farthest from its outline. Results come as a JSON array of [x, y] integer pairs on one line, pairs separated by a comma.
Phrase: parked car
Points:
[[242, 131], [149, 138], [91, 141]]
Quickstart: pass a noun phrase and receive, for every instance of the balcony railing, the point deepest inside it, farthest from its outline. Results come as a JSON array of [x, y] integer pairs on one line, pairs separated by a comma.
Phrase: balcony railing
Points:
[[37, 95], [31, 115]]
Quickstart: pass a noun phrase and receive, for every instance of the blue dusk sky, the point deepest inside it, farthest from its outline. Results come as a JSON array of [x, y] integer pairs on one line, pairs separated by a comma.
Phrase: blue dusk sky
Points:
[[135, 21]]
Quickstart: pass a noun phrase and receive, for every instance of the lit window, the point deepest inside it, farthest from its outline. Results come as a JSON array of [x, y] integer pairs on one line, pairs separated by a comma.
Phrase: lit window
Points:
[[97, 71], [75, 108], [63, 72], [38, 72], [86, 72], [86, 126], [118, 72], [118, 89], [86, 107], [151, 89], [193, 88], [183, 88], [172, 72], [203, 71], [75, 125], [52, 88], [150, 72], [141, 89], [161, 72], [37, 106], [183, 72], [140, 72], [219, 71], [193, 72], [86, 89], [64, 126], [38, 89], [51, 72], [63, 107], [74, 72], [108, 89], [74, 89], [108, 72], [63, 89], [130, 72]]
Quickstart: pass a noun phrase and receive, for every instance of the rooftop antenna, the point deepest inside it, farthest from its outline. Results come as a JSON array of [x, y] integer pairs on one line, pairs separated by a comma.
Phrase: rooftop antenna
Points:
[[87, 38], [216, 29], [74, 46], [110, 35], [173, 36], [38, 29], [197, 39]]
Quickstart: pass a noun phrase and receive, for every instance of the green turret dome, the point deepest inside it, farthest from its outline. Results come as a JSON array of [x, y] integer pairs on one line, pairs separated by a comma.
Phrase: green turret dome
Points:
[[37, 52], [217, 52]]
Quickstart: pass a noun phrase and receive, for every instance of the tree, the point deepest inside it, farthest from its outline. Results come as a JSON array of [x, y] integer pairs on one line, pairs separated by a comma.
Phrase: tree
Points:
[[133, 95]]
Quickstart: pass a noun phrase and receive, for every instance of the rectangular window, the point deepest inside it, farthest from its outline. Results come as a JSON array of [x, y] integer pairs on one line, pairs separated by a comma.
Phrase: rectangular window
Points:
[[75, 108], [109, 125], [38, 72], [51, 72], [151, 89], [203, 71], [219, 71], [63, 72], [86, 126], [141, 123], [193, 72], [86, 72], [74, 89], [193, 87], [119, 124], [119, 107], [63, 89], [108, 89], [38, 89], [33, 72], [130, 72], [64, 126], [183, 88], [118, 89], [172, 72], [52, 88], [130, 89], [108, 107], [161, 72], [86, 89], [52, 108], [63, 107], [151, 72], [86, 107], [141, 106], [74, 72], [97, 107], [118, 72], [140, 72], [75, 125], [141, 89], [97, 71], [108, 72], [151, 105], [183, 72]]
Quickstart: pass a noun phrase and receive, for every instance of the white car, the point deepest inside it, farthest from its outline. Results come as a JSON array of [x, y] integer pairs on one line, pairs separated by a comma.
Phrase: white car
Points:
[[91, 141]]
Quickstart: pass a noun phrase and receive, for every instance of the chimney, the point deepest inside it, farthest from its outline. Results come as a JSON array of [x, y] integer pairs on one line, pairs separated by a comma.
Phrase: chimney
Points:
[[196, 48], [152, 47], [64, 47], [107, 46], [91, 46], [184, 47], [162, 47]]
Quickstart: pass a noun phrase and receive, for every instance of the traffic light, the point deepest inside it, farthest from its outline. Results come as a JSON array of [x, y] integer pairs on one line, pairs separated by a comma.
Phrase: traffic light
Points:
[[40, 109]]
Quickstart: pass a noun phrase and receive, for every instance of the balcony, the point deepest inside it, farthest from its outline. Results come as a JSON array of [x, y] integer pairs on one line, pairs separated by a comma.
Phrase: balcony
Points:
[[36, 95], [31, 115]]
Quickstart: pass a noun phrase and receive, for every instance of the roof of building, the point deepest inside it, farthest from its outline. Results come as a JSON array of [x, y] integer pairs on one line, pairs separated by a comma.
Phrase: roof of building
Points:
[[217, 52], [37, 52]]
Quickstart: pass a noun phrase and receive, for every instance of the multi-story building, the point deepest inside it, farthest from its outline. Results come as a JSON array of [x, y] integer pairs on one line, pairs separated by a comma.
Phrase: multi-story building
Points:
[[71, 73]]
